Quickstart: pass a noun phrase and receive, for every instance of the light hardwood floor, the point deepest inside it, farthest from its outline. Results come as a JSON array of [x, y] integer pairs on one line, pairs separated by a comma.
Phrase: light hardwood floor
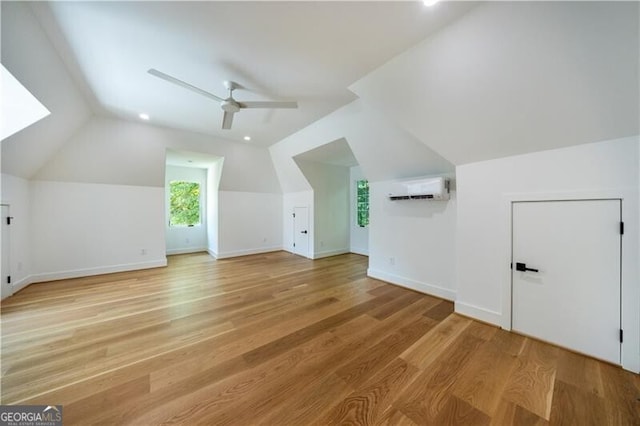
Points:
[[281, 340]]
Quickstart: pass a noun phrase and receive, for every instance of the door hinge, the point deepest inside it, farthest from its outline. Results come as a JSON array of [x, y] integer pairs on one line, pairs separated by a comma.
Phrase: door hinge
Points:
[[511, 265], [8, 279], [294, 244], [9, 220], [294, 215], [621, 228], [621, 335]]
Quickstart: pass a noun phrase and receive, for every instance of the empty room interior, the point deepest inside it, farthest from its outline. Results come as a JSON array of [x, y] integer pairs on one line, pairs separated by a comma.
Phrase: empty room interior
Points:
[[292, 213]]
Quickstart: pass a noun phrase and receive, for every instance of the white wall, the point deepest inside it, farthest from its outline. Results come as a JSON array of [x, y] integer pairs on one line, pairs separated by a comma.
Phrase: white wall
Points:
[[27, 53], [187, 239], [249, 223], [514, 77], [412, 242], [383, 150], [16, 193], [485, 190], [84, 229], [358, 235], [213, 182], [1, 200], [120, 155], [120, 152], [331, 207]]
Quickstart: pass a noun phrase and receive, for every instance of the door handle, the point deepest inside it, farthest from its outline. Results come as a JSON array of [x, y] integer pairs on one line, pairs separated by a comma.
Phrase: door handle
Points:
[[523, 267], [303, 232]]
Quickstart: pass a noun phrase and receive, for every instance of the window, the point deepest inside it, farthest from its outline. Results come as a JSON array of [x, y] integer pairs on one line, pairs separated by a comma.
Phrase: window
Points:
[[184, 203], [363, 202]]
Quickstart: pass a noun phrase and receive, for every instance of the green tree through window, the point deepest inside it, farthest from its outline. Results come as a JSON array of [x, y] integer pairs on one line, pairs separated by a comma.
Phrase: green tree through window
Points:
[[184, 203], [363, 202]]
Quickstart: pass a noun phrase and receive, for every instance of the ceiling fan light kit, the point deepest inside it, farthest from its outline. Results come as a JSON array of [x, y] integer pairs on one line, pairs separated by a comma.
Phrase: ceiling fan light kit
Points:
[[229, 105]]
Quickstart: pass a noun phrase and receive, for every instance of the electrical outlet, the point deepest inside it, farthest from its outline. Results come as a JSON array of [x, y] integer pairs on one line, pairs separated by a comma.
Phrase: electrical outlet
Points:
[[19, 266], [186, 240], [143, 251], [392, 261], [264, 240]]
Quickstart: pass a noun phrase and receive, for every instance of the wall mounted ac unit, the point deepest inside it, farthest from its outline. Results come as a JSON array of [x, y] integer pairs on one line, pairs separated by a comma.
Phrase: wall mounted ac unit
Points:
[[421, 189]]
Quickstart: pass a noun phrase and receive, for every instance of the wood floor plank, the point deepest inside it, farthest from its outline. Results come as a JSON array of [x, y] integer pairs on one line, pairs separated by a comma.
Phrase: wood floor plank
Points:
[[622, 398], [395, 305], [457, 412], [215, 399], [576, 403], [530, 385], [483, 379], [359, 370], [430, 346], [394, 417], [580, 371], [369, 402], [482, 331], [510, 414], [276, 347], [277, 339], [440, 311], [426, 396]]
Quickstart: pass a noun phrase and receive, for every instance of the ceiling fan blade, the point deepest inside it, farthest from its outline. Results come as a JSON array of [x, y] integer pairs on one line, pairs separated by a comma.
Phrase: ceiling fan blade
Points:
[[269, 104], [170, 79], [227, 120]]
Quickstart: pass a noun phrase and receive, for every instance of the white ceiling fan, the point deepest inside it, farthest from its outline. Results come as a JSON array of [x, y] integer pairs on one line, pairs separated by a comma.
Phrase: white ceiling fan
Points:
[[229, 105]]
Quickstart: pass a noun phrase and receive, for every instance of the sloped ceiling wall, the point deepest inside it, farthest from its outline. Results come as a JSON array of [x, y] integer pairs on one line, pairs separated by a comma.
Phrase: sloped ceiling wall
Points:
[[74, 145], [119, 152], [516, 77], [28, 54], [383, 150]]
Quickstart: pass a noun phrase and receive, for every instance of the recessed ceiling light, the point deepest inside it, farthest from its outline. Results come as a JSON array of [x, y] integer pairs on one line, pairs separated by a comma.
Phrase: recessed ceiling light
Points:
[[143, 116], [247, 138], [430, 2]]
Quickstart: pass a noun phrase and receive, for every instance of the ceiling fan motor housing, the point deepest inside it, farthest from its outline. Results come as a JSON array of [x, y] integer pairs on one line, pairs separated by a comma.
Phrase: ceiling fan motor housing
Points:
[[229, 105]]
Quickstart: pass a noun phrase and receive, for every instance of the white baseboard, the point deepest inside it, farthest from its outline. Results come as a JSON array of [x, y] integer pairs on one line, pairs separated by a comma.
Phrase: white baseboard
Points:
[[186, 250], [212, 253], [77, 273], [431, 289], [329, 253], [361, 251], [478, 313], [19, 285], [247, 252]]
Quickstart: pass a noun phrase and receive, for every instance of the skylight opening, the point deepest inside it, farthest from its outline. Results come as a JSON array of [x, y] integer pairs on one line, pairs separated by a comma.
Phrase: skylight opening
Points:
[[18, 107]]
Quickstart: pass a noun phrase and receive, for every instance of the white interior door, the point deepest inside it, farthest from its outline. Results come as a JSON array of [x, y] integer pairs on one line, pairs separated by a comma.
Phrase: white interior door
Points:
[[569, 292], [6, 289], [301, 231]]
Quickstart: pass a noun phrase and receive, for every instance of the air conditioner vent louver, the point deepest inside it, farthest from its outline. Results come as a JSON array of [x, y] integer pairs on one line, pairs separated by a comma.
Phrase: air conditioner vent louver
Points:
[[421, 189]]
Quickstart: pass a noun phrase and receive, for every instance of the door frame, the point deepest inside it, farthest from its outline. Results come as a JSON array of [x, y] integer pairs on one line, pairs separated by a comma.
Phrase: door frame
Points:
[[8, 206], [629, 253], [617, 202], [309, 230]]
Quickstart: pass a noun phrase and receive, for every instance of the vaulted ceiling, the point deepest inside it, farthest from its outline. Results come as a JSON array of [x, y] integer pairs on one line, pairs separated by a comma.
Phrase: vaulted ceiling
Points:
[[305, 51], [470, 81]]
